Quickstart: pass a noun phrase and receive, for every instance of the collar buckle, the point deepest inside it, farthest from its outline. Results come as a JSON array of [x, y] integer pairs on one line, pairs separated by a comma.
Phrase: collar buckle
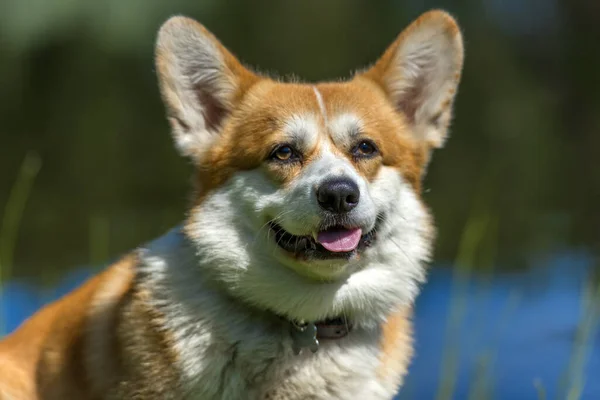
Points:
[[304, 334]]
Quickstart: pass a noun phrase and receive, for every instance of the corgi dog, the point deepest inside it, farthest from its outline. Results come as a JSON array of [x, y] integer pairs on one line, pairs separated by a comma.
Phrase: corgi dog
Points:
[[295, 270]]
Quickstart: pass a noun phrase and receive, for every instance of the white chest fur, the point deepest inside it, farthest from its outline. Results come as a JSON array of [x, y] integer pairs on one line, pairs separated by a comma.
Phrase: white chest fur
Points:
[[228, 351], [265, 368]]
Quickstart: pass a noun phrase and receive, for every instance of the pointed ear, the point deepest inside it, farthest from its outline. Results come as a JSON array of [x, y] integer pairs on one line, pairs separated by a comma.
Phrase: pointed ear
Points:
[[200, 83], [420, 73]]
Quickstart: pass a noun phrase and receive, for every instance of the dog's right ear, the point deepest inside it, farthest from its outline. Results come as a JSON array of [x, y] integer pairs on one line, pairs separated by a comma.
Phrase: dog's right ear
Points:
[[200, 82]]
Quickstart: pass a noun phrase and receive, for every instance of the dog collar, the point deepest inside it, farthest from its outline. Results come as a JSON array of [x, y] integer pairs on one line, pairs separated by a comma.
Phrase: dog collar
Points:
[[307, 334]]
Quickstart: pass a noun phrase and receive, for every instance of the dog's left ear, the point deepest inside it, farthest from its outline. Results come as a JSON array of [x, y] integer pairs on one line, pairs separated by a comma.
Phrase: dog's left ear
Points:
[[420, 73], [200, 82]]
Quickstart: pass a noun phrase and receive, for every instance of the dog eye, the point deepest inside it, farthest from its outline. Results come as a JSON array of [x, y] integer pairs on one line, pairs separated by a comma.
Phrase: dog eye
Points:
[[366, 148], [283, 153]]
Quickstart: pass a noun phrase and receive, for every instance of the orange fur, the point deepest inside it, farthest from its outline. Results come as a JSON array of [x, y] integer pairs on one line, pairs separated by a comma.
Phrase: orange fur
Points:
[[396, 347], [47, 354]]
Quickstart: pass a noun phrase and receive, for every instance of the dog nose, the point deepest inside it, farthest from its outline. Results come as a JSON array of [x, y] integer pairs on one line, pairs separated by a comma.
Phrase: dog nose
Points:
[[338, 195]]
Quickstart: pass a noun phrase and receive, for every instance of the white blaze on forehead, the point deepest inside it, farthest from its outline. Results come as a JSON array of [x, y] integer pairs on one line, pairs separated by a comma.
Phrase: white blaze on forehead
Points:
[[344, 129], [302, 130], [321, 103]]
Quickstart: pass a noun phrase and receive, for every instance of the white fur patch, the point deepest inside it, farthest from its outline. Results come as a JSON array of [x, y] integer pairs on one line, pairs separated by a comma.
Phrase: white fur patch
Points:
[[302, 130], [344, 129], [321, 103]]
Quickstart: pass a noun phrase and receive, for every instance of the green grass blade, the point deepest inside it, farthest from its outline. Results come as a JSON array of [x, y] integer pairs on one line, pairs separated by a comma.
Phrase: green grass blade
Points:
[[13, 214]]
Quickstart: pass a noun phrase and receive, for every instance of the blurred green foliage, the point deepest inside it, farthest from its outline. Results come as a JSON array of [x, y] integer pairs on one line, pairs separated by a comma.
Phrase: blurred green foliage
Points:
[[78, 87]]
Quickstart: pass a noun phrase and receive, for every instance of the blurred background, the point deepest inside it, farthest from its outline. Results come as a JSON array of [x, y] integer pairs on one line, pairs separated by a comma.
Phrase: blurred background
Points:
[[88, 171]]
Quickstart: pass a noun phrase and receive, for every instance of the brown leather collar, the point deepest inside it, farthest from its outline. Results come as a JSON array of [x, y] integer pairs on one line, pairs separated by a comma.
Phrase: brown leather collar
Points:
[[307, 334], [336, 328]]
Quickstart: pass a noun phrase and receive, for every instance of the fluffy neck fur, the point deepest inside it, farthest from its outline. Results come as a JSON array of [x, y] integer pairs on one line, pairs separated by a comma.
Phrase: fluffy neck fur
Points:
[[228, 349]]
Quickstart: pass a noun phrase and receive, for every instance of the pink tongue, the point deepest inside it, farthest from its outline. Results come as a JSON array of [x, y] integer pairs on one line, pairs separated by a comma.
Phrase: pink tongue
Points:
[[340, 240]]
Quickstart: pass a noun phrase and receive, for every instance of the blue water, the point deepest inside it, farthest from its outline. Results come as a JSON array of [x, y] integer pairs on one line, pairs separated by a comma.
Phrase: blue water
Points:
[[514, 330], [524, 325]]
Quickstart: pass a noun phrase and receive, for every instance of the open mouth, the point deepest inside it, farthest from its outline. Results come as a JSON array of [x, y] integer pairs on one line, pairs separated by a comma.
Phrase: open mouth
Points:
[[334, 242]]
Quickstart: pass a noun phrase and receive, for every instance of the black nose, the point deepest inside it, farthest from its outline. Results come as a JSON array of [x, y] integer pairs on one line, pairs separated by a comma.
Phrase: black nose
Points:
[[338, 195]]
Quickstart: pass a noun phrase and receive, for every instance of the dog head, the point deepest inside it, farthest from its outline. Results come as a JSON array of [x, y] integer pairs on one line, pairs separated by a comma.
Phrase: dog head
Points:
[[308, 195]]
